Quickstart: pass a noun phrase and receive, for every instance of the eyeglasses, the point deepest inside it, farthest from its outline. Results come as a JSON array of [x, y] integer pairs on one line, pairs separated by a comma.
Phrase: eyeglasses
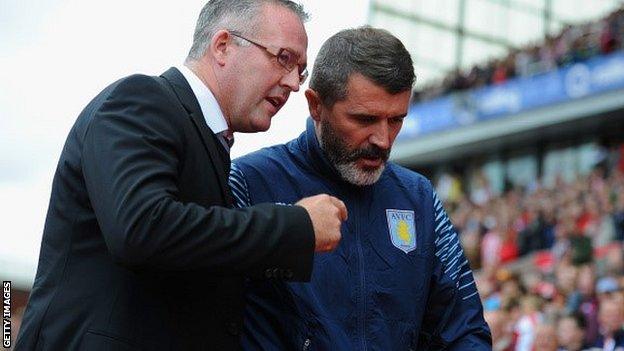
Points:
[[284, 57]]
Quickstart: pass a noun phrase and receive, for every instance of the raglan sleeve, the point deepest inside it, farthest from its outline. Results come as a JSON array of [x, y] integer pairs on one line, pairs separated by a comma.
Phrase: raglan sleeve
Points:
[[454, 316]]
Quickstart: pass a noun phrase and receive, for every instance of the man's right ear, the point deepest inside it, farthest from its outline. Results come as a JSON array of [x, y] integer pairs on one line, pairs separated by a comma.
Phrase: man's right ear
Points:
[[314, 104], [220, 46]]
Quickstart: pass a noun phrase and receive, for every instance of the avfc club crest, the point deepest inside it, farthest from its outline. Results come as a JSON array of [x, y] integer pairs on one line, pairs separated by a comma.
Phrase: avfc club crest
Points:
[[401, 228]]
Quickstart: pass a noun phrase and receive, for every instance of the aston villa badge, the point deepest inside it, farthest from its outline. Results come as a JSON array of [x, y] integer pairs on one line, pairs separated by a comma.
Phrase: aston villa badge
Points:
[[401, 228]]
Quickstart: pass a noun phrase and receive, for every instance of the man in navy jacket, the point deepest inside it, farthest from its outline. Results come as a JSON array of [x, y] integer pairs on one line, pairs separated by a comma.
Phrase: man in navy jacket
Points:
[[398, 280]]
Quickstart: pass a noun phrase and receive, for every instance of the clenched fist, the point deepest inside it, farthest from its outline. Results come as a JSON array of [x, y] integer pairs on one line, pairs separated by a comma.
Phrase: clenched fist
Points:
[[327, 214]]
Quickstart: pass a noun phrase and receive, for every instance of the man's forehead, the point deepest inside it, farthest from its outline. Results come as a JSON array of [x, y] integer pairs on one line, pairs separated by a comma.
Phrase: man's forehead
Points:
[[358, 84], [378, 108], [282, 28], [364, 94]]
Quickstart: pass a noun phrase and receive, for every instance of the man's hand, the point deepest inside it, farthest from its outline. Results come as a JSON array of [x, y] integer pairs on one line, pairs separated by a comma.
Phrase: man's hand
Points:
[[327, 214]]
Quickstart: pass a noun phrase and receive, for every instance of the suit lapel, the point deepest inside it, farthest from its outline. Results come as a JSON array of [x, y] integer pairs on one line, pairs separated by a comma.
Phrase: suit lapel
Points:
[[218, 156]]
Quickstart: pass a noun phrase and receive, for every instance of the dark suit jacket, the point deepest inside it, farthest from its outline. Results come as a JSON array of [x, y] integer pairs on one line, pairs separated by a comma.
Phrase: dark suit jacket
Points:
[[137, 252]]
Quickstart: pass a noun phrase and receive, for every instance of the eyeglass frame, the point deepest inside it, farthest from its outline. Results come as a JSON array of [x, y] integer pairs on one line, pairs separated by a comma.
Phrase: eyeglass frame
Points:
[[303, 76]]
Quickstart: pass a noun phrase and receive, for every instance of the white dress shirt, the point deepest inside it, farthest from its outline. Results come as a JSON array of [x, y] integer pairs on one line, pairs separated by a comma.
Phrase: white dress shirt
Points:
[[207, 102]]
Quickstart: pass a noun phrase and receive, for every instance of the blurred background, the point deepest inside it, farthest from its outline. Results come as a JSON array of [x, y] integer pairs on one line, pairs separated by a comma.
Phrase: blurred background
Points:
[[517, 117]]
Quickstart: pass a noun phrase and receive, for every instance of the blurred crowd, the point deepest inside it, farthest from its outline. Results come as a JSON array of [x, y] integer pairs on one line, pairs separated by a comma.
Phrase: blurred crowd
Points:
[[550, 260], [573, 44]]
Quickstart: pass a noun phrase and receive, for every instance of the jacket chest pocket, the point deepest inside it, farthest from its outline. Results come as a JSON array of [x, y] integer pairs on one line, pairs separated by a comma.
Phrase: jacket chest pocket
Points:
[[399, 279], [400, 245]]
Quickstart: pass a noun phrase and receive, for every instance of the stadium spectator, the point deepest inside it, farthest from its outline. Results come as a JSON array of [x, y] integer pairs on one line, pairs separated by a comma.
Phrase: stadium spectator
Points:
[[584, 299], [545, 337], [571, 258], [550, 251], [611, 320], [498, 320], [526, 327], [571, 333], [571, 45]]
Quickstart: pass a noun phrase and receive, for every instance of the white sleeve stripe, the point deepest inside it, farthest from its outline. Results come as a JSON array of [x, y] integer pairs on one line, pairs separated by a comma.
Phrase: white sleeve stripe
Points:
[[466, 285], [440, 243], [240, 202], [448, 228], [446, 246], [442, 238], [436, 200], [447, 231], [235, 186], [235, 181], [450, 252], [451, 264], [469, 296], [238, 187], [439, 214], [441, 223], [446, 253], [466, 272], [459, 269], [453, 252], [462, 267], [240, 196]]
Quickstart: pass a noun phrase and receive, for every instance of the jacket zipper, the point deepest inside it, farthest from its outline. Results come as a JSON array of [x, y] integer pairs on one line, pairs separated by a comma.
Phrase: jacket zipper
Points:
[[362, 304], [306, 344]]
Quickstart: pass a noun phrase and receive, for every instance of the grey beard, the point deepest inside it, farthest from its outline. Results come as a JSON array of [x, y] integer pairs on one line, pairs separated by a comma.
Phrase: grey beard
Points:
[[345, 161], [356, 176]]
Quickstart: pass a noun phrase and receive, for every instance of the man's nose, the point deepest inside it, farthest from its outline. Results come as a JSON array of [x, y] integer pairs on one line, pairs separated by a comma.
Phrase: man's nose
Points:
[[381, 136], [291, 80]]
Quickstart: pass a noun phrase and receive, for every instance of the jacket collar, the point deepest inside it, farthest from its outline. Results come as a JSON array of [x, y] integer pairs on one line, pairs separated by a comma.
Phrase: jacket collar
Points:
[[183, 90], [215, 150], [207, 101]]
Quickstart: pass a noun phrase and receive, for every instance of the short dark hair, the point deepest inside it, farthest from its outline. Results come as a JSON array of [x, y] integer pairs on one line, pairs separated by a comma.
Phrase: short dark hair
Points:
[[372, 52]]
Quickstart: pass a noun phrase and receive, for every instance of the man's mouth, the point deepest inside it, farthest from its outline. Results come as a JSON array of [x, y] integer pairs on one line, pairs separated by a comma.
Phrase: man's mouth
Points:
[[370, 157], [276, 101], [371, 162]]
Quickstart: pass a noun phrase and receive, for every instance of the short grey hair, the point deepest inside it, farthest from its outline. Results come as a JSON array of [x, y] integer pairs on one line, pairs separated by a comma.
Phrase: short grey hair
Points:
[[237, 15], [372, 52]]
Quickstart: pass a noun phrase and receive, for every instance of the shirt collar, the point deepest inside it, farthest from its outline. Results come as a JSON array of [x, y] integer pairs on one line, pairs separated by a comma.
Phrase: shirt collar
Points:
[[207, 101]]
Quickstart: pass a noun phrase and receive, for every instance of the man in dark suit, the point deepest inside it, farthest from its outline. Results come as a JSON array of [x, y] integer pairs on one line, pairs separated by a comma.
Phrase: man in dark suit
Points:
[[141, 249]]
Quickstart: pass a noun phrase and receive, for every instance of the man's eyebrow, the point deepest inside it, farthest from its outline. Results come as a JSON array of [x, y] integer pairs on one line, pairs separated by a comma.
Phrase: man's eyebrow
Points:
[[291, 50], [368, 115], [361, 114]]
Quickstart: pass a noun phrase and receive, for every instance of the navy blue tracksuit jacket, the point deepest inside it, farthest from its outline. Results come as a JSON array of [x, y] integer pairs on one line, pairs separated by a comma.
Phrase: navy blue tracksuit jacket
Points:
[[397, 281]]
